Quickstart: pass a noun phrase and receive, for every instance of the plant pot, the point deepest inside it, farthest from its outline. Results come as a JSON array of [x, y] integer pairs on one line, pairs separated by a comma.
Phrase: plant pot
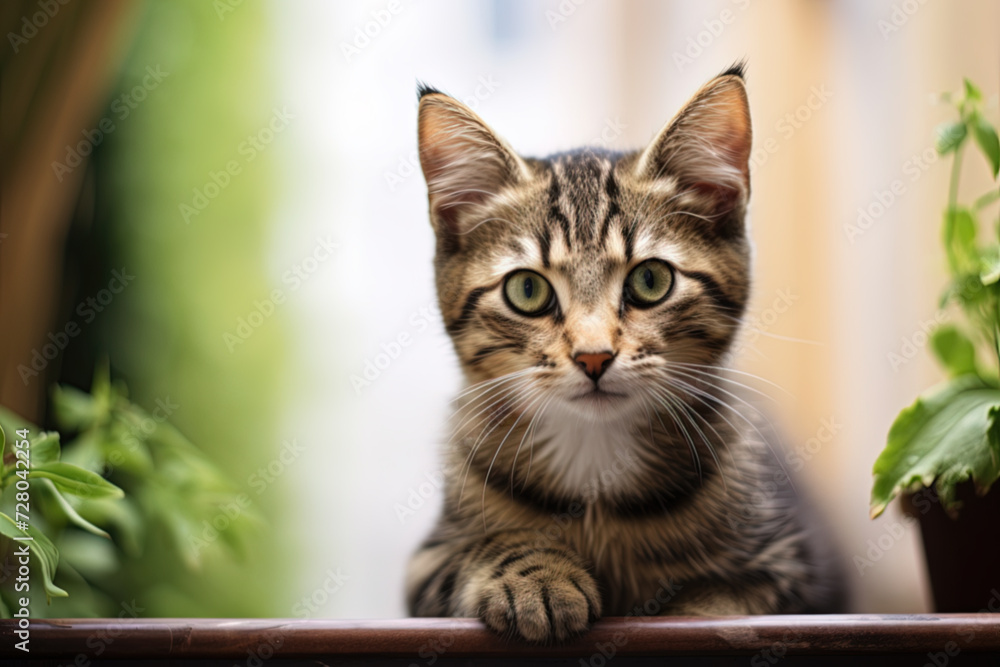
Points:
[[963, 553]]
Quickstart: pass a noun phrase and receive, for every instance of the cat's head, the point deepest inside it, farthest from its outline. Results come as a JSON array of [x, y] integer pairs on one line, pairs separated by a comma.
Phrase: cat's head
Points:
[[592, 277]]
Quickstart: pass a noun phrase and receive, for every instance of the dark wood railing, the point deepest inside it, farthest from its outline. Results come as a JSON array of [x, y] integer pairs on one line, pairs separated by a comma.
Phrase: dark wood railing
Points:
[[941, 640]]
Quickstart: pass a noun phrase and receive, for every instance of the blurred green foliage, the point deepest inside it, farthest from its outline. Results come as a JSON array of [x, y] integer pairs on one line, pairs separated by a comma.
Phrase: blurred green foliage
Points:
[[196, 277], [183, 190], [84, 529]]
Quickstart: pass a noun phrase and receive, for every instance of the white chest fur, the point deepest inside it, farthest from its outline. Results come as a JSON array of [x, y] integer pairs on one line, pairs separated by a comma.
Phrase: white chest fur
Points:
[[586, 458]]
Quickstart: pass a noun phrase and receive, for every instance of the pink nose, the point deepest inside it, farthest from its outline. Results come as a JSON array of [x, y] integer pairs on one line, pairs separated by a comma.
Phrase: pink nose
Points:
[[594, 365]]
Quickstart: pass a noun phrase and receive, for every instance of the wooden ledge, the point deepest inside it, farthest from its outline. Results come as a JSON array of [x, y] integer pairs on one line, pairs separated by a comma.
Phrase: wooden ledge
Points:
[[430, 640]]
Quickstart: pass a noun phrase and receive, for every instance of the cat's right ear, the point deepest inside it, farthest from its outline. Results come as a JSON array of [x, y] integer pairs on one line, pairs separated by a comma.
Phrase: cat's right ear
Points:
[[465, 163], [706, 147]]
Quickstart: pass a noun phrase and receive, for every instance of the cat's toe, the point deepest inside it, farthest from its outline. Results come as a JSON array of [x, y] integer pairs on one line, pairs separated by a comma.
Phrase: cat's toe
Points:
[[541, 605]]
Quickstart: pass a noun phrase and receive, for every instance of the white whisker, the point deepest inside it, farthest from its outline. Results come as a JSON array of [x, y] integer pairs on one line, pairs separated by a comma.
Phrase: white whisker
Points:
[[537, 396]]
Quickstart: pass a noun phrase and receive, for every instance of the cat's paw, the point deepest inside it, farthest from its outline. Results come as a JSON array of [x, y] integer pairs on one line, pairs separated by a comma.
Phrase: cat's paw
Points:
[[543, 598]]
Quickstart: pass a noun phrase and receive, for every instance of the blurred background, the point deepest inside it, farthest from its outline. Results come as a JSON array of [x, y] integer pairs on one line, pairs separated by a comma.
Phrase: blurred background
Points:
[[222, 201]]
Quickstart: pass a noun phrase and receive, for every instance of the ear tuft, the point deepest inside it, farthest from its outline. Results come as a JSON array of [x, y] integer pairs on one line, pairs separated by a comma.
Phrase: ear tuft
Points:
[[464, 162], [738, 68], [424, 89]]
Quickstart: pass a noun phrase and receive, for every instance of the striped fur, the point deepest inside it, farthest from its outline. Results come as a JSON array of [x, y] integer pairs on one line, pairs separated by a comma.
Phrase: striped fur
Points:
[[571, 498]]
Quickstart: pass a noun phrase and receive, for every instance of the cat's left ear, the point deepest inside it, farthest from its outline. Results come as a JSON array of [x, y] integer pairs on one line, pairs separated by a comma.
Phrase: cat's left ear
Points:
[[465, 163], [706, 147]]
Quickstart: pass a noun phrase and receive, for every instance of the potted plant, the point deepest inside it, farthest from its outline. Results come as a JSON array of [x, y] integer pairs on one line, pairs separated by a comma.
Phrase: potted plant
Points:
[[943, 451]]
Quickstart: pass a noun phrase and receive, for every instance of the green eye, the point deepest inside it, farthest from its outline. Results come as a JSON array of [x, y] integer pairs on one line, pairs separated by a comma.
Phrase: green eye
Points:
[[649, 283], [528, 293]]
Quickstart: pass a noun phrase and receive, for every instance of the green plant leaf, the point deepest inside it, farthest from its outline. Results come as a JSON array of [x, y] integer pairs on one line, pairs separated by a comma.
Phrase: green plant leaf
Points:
[[42, 547], [75, 410], [993, 433], [84, 451], [132, 457], [76, 481], [45, 448], [987, 199], [967, 289], [954, 350], [972, 91], [91, 557], [123, 518], [990, 272], [12, 421], [944, 438], [986, 137], [71, 514], [101, 388], [960, 239], [950, 136]]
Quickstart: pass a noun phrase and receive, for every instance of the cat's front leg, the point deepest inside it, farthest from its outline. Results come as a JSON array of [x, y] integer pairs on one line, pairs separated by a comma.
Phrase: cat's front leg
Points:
[[540, 594]]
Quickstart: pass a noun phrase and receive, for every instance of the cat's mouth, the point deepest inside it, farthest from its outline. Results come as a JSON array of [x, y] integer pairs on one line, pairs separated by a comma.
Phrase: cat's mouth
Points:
[[598, 395]]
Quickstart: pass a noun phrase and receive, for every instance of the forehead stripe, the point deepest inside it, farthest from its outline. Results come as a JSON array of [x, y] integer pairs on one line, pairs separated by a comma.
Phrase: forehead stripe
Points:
[[545, 243], [611, 190], [628, 235], [556, 212], [587, 173]]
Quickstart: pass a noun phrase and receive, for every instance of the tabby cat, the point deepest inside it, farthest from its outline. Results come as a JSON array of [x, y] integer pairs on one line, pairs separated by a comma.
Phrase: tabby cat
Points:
[[601, 461]]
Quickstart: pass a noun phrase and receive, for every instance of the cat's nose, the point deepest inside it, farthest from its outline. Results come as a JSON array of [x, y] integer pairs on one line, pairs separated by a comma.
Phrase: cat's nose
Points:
[[594, 365]]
